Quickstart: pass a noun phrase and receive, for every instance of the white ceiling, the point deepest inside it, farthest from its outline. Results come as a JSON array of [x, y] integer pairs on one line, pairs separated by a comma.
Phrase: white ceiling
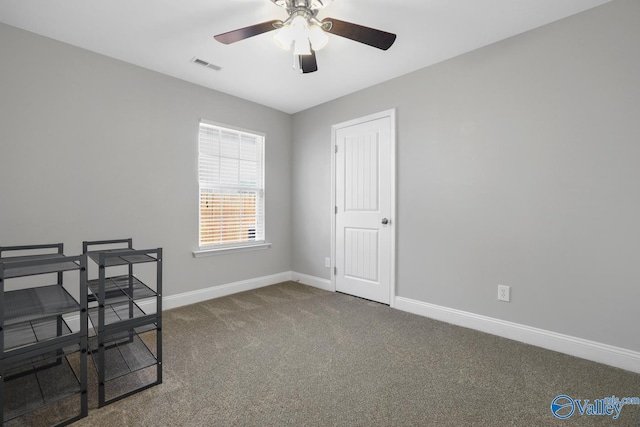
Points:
[[163, 35]]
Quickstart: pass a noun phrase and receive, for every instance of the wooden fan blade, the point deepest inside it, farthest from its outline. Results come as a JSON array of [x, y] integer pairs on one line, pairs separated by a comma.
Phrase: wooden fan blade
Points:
[[308, 63], [246, 32], [371, 36]]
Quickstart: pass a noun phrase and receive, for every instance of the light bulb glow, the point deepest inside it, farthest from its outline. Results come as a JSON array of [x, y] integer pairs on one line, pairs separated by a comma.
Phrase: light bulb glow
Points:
[[302, 36], [284, 37], [301, 46], [299, 26], [317, 37], [300, 30]]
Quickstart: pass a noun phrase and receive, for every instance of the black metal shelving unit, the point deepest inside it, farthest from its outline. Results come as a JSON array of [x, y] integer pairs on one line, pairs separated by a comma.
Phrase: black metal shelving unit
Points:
[[126, 346], [43, 337]]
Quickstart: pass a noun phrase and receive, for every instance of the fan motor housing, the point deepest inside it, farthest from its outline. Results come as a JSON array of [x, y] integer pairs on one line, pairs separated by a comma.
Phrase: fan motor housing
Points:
[[311, 4]]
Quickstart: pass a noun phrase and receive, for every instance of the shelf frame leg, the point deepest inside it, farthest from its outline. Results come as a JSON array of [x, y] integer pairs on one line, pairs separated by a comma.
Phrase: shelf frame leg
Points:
[[84, 337], [101, 330], [2, 342], [159, 316]]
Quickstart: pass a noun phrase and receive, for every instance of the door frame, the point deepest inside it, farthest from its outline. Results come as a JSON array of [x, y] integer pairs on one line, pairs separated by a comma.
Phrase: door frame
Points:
[[334, 130]]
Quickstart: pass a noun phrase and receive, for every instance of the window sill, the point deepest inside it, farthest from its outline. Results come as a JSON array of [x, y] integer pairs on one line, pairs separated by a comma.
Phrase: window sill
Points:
[[230, 249]]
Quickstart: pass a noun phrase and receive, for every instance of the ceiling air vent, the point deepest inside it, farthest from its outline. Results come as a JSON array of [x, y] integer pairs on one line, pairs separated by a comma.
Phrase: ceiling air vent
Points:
[[205, 64]]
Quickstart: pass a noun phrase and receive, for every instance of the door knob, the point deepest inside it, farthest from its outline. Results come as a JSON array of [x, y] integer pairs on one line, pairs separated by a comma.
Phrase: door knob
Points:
[[385, 221]]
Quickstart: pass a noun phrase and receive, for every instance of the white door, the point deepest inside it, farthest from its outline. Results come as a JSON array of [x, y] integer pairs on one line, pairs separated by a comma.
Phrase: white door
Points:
[[364, 223]]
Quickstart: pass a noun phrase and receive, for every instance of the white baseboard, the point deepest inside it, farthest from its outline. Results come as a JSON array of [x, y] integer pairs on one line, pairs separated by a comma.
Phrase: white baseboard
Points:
[[192, 297], [72, 321], [585, 349], [174, 301], [316, 282]]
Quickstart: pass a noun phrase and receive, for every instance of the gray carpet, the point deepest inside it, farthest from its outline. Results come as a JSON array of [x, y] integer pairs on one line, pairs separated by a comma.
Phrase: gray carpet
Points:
[[292, 355]]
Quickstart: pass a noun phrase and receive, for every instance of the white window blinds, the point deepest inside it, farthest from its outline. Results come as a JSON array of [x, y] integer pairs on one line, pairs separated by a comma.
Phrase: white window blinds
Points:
[[231, 178]]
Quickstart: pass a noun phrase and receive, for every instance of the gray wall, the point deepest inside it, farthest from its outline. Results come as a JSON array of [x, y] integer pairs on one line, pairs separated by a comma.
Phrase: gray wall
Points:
[[93, 148], [517, 165]]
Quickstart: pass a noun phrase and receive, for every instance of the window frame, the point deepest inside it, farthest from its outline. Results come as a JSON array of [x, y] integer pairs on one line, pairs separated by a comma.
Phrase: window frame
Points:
[[217, 248]]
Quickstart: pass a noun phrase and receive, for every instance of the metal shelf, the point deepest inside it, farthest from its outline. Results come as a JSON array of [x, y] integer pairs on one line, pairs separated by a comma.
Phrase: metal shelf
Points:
[[36, 342], [35, 331], [114, 313], [121, 357], [120, 257], [124, 353], [45, 381], [31, 265], [38, 260], [120, 288], [34, 303]]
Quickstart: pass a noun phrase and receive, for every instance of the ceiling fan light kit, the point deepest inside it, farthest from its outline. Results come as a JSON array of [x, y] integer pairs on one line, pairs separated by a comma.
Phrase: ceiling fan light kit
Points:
[[299, 33], [303, 31]]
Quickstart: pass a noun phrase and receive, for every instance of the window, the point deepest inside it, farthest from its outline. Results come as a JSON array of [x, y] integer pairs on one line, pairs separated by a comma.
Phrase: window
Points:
[[231, 180]]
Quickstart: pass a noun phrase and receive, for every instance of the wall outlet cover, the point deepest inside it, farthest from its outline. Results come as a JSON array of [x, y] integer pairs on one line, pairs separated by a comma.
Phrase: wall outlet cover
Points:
[[504, 293]]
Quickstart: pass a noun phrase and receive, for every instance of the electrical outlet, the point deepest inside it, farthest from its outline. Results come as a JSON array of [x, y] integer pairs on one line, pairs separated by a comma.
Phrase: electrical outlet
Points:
[[327, 262], [504, 293]]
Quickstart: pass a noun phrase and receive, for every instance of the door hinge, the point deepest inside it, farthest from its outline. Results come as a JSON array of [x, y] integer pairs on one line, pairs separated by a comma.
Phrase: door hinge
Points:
[[336, 148], [336, 209], [335, 271]]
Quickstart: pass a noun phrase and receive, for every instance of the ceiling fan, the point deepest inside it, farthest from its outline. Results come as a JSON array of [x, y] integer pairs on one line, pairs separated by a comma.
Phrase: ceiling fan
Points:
[[306, 34]]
